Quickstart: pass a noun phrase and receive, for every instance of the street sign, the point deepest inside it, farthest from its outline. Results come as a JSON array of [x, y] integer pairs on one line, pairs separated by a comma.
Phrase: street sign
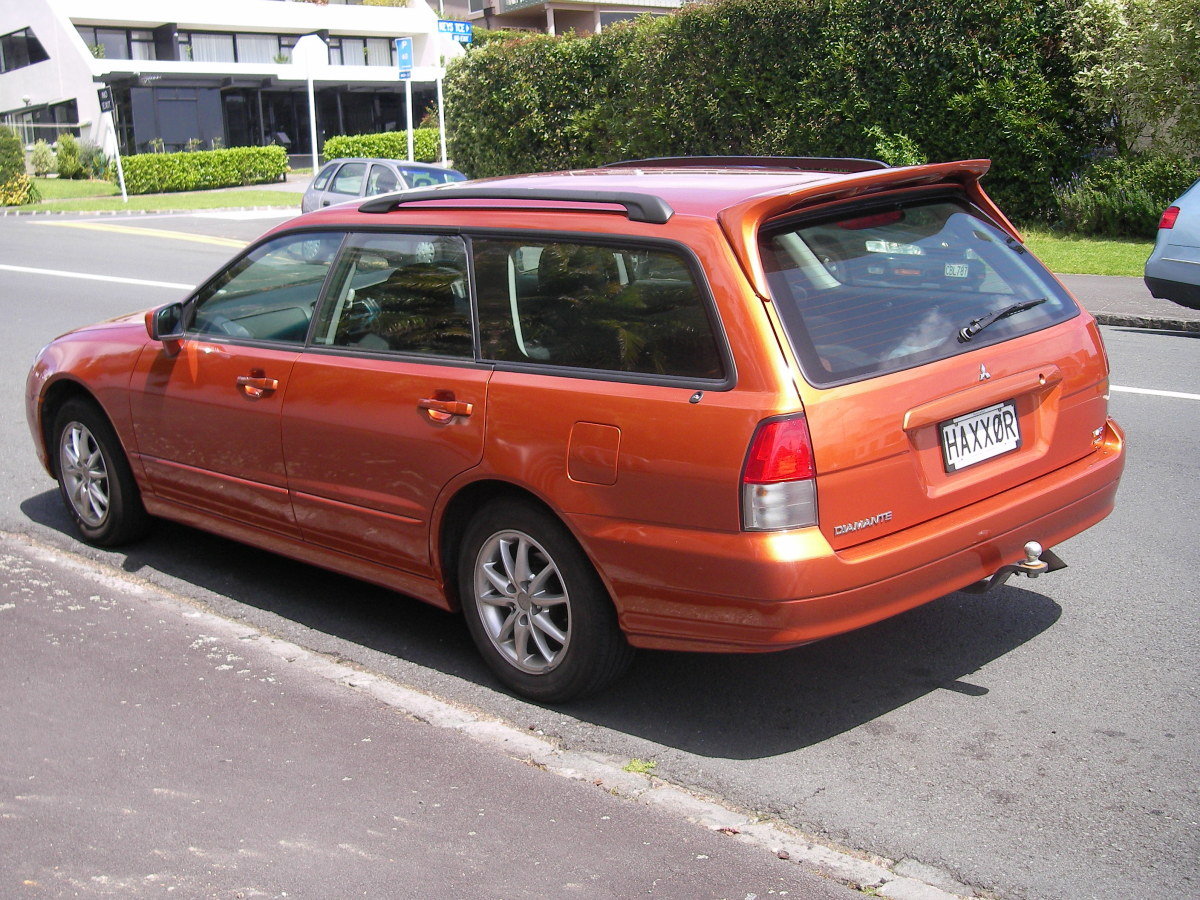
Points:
[[404, 56], [463, 32], [106, 99]]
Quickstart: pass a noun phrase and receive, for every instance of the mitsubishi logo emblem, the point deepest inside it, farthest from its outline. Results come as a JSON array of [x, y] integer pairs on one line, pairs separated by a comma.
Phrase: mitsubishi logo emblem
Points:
[[984, 374]]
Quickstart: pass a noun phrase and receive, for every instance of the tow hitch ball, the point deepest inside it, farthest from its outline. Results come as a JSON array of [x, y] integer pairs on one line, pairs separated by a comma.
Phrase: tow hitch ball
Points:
[[1036, 562]]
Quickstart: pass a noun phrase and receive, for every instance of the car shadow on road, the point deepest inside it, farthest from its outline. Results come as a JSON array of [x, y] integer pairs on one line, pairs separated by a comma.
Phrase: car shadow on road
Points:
[[712, 705]]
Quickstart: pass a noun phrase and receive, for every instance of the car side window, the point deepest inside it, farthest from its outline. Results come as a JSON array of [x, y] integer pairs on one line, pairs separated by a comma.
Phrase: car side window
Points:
[[270, 293], [381, 181], [323, 178], [429, 177], [620, 309], [400, 293], [349, 179]]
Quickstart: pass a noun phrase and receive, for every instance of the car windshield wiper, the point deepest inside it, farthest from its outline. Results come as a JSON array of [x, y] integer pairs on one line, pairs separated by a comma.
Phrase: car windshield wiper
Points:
[[977, 325]]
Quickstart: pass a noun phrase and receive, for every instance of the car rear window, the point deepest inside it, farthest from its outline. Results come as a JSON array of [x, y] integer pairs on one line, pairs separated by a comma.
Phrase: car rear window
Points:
[[889, 287]]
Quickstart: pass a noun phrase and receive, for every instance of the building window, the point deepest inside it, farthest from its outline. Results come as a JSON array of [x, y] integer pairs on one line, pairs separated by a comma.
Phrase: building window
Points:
[[210, 47], [19, 49], [45, 122], [257, 48], [141, 43], [355, 51]]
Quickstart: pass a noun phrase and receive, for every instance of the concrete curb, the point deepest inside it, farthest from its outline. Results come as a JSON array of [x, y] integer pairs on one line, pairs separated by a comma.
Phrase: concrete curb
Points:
[[5, 212], [1152, 323]]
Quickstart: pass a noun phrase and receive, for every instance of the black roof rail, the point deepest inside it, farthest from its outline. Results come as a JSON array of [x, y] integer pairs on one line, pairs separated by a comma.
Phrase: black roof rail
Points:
[[845, 164], [638, 207]]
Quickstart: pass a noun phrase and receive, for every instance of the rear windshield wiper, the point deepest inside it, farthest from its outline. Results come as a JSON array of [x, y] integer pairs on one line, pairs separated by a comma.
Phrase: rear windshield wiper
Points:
[[977, 325]]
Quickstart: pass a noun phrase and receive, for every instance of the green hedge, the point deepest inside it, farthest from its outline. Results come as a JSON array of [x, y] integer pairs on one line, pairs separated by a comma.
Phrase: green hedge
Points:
[[388, 145], [160, 173], [906, 79]]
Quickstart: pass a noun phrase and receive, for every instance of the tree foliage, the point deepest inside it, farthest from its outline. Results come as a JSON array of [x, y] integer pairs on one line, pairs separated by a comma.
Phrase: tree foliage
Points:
[[1138, 65]]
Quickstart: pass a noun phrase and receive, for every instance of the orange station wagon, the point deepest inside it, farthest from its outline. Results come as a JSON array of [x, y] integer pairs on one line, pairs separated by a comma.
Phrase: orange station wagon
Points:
[[707, 404]]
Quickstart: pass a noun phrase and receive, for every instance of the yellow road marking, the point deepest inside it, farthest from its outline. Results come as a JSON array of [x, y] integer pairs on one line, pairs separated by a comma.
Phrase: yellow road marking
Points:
[[150, 232]]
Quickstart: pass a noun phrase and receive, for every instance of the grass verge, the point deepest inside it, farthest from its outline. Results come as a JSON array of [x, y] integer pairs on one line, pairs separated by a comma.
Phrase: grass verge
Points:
[[102, 196], [1072, 255]]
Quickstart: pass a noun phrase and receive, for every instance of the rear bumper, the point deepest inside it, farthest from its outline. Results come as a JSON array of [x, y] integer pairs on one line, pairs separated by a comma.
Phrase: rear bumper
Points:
[[1181, 292], [682, 590]]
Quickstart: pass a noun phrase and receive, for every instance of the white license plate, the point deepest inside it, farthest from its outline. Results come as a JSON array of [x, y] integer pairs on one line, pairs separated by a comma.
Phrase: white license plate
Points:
[[957, 270], [986, 433]]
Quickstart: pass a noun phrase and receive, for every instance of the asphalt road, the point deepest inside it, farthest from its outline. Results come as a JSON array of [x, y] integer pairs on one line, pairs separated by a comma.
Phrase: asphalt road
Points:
[[1036, 742]]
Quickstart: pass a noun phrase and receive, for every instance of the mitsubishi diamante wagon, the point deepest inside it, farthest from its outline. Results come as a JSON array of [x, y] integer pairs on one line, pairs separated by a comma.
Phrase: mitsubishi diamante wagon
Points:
[[717, 404]]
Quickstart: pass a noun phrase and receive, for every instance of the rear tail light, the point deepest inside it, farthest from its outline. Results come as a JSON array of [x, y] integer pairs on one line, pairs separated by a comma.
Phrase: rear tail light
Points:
[[779, 488], [1169, 217]]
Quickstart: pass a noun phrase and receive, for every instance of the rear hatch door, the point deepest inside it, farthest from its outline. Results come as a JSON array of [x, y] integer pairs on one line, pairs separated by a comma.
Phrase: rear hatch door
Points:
[[943, 363]]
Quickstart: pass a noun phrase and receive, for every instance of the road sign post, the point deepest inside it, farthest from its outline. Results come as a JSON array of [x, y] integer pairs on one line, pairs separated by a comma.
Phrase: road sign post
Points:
[[404, 65], [107, 106]]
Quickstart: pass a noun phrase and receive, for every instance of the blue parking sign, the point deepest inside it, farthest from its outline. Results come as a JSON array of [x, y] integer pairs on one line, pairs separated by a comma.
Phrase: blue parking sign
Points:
[[404, 56]]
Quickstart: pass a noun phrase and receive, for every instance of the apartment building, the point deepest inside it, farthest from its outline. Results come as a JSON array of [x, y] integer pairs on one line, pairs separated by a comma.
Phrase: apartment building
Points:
[[217, 73]]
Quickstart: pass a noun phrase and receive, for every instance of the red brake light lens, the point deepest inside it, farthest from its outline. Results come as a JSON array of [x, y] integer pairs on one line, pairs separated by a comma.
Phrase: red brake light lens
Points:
[[1169, 217], [781, 451], [874, 221]]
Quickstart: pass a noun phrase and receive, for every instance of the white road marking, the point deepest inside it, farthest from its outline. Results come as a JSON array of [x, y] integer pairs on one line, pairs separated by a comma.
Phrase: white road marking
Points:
[[134, 281], [1178, 395]]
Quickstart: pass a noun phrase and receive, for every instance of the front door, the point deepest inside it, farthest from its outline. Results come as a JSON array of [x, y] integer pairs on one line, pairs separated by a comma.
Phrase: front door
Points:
[[207, 418]]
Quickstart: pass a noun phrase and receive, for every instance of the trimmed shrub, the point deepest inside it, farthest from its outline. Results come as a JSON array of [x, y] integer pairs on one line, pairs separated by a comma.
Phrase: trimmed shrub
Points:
[[950, 80], [69, 165], [18, 191], [1124, 196], [92, 159], [386, 145], [41, 158], [12, 156], [159, 173]]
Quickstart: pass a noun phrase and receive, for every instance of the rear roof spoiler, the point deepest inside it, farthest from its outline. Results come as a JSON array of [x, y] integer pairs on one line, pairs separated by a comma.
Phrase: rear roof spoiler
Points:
[[638, 207], [848, 164]]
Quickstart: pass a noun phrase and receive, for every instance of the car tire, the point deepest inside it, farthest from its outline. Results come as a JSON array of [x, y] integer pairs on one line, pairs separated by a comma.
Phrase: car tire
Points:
[[94, 478], [536, 609]]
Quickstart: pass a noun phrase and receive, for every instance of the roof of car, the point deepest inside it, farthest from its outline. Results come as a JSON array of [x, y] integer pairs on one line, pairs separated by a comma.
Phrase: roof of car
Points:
[[399, 162], [676, 186]]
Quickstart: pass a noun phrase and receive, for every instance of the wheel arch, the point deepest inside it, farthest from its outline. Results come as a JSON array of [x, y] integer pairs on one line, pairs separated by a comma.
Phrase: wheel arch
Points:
[[55, 397], [462, 507]]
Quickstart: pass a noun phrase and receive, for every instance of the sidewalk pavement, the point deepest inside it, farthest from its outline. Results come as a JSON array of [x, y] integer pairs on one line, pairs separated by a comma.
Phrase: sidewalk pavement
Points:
[[150, 746], [1116, 300]]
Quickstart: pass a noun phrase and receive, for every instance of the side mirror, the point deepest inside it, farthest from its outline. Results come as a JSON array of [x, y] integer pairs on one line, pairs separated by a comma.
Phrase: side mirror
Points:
[[166, 324]]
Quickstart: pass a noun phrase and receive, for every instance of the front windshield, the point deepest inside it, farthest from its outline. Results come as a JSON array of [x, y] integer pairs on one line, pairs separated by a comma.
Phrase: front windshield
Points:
[[887, 288]]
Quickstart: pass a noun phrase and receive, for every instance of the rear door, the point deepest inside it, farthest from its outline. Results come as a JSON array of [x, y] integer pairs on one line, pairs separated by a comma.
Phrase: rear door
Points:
[[609, 397], [945, 364], [388, 404]]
